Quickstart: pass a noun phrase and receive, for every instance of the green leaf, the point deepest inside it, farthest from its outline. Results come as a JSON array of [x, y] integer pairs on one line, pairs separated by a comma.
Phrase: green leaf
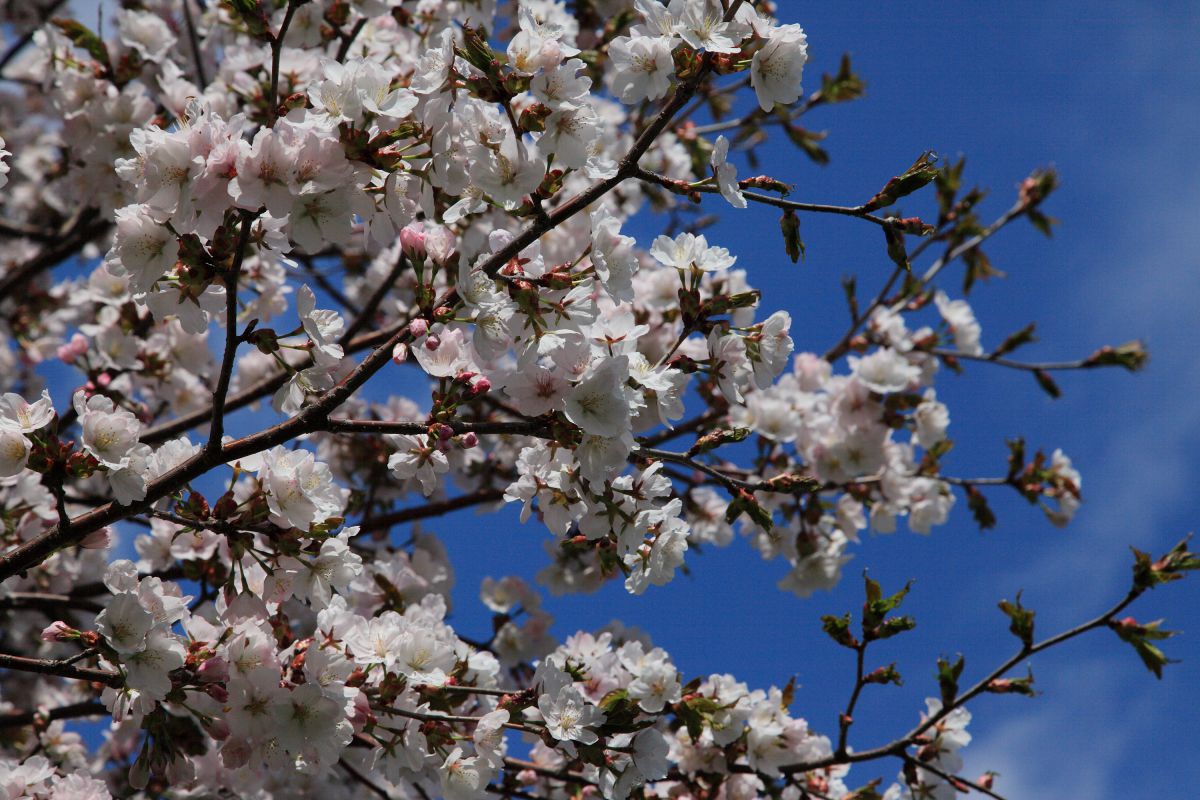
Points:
[[868, 792], [714, 439], [744, 503], [918, 175], [1148, 573], [877, 606], [978, 267], [807, 140], [1021, 620], [1049, 386], [843, 86], [896, 250], [948, 674], [850, 289], [1139, 636], [1131, 355], [82, 37], [980, 510], [1042, 222], [838, 629], [789, 223], [1015, 340], [893, 626], [1021, 686], [884, 675], [1016, 457]]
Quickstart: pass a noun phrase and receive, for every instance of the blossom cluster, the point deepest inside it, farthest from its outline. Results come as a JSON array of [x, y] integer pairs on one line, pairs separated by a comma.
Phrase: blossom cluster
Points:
[[253, 194]]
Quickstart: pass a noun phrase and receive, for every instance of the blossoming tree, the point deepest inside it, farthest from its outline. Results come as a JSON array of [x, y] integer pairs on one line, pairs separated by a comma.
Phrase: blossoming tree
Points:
[[219, 205]]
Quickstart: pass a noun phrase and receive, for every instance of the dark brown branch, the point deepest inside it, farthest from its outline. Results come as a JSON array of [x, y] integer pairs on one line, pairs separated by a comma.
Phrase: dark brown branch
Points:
[[843, 345], [366, 315], [683, 187], [1045, 366], [255, 392], [436, 509], [48, 602], [194, 38], [85, 708], [312, 417], [277, 51], [21, 43], [217, 428], [63, 669], [363, 780], [348, 39]]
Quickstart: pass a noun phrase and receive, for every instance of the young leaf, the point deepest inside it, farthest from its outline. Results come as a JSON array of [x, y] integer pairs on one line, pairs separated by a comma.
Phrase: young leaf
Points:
[[920, 173], [948, 674], [789, 223], [1022, 620], [980, 510], [1049, 386]]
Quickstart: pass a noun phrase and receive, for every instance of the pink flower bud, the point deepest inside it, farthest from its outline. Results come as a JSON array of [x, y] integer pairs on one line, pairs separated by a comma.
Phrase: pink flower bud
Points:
[[412, 239], [432, 342], [215, 670], [482, 386], [444, 432], [219, 693], [57, 631], [464, 376], [400, 353], [66, 354], [97, 540], [103, 379], [216, 727], [418, 327], [469, 440]]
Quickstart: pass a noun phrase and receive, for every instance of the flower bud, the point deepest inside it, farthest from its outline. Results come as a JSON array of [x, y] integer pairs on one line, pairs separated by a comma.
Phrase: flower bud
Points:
[[58, 631], [400, 353], [214, 670], [432, 342], [482, 386], [219, 693], [469, 440], [103, 380], [412, 239], [418, 327], [216, 727]]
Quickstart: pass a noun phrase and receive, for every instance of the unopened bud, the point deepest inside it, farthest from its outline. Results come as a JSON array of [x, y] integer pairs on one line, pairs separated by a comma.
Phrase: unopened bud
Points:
[[58, 631], [470, 439], [481, 386], [412, 239], [218, 692], [73, 349], [400, 353], [432, 342], [418, 327], [214, 670]]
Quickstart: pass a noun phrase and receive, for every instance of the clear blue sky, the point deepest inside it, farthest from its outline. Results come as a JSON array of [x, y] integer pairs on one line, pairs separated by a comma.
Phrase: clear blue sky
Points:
[[1107, 93]]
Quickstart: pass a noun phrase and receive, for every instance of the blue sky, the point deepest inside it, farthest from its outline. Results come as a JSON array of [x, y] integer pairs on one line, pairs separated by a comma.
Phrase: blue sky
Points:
[[1107, 94]]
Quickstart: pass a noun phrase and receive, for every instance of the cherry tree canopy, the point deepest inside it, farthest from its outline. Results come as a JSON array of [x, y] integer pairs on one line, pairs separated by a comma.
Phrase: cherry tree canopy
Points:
[[272, 205]]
